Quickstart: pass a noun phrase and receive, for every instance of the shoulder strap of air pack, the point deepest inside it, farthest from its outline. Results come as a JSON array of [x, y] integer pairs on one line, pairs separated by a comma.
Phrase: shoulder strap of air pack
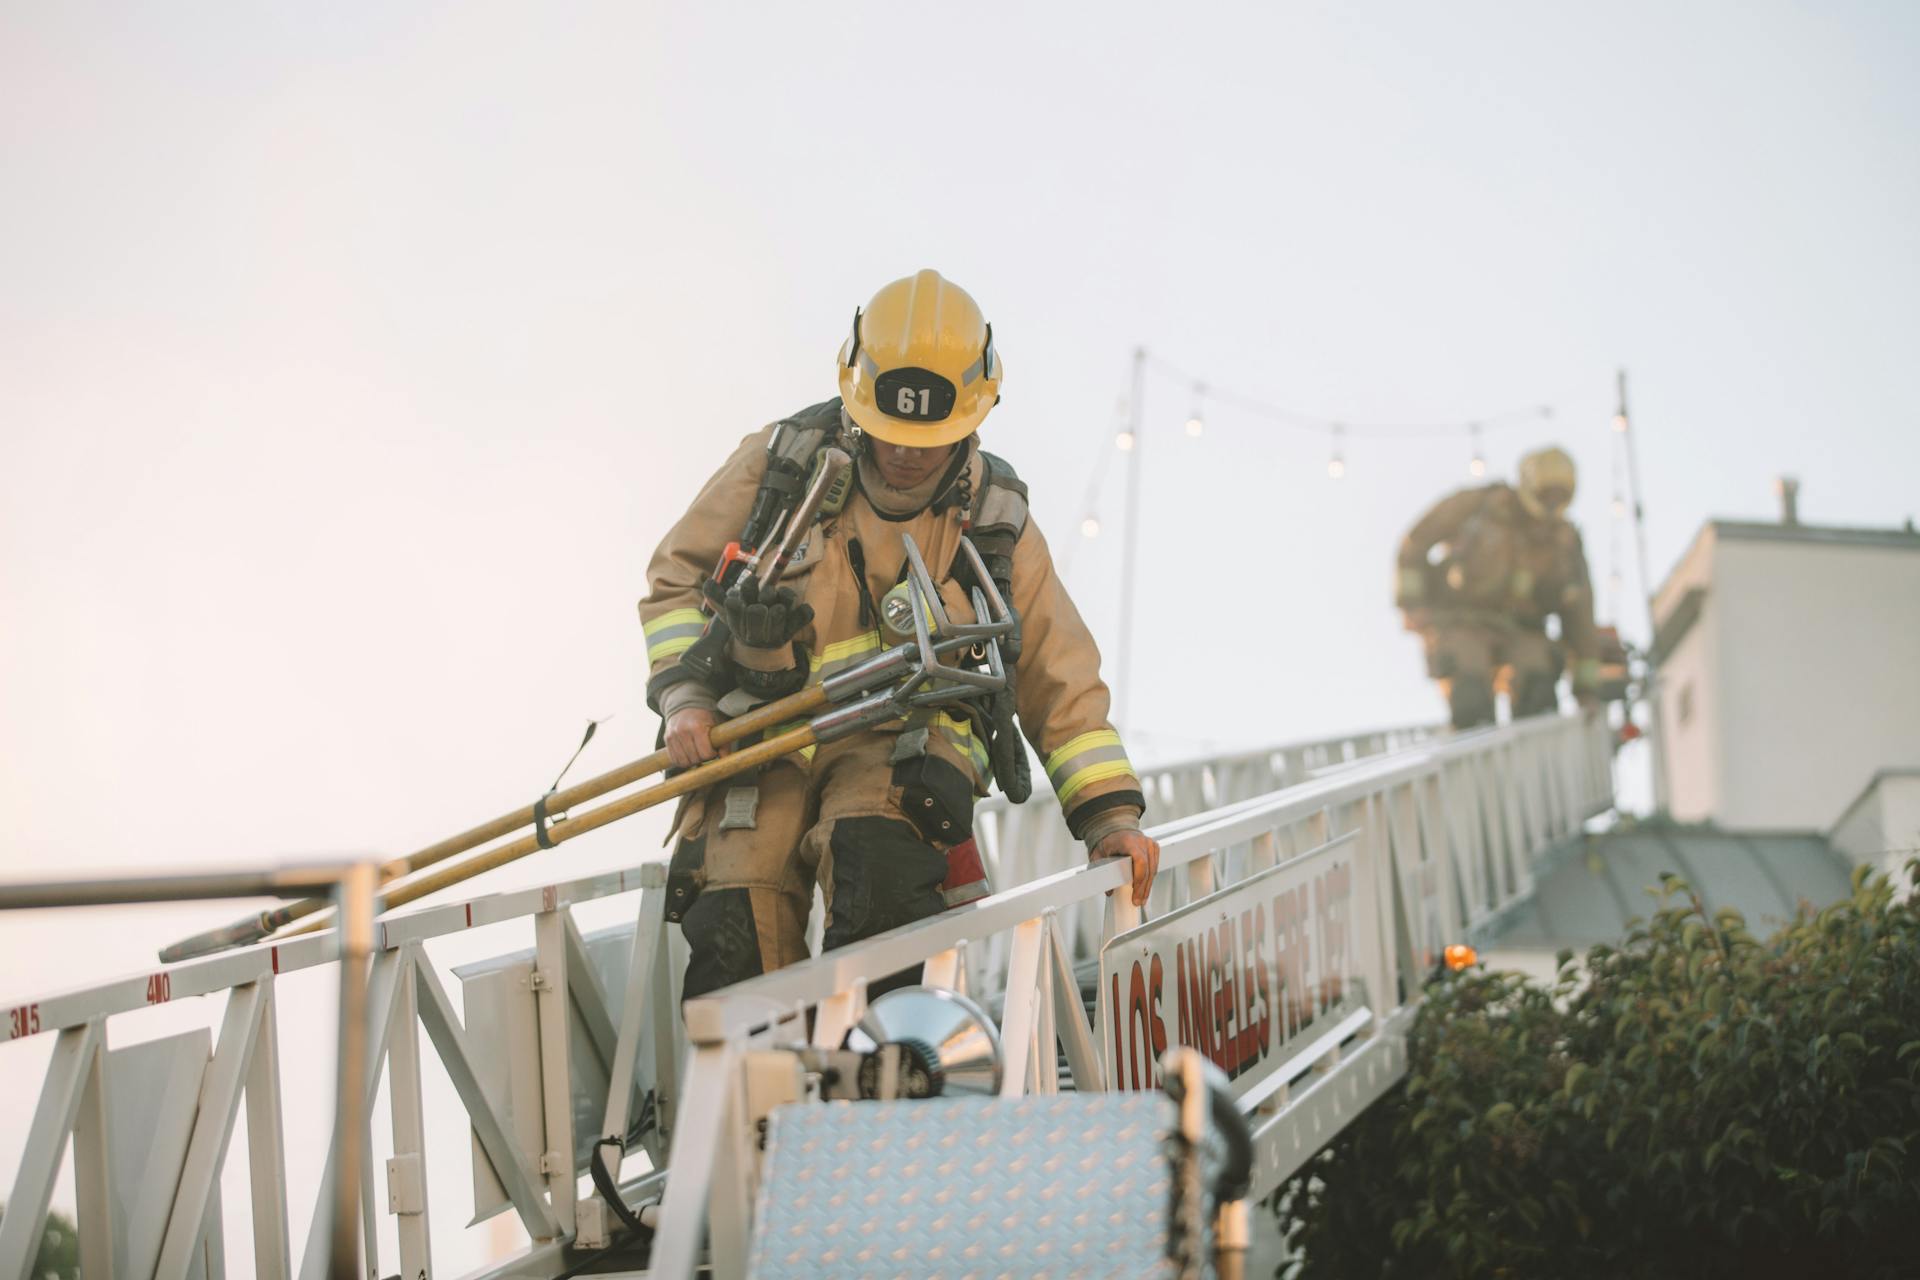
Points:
[[999, 518], [792, 455]]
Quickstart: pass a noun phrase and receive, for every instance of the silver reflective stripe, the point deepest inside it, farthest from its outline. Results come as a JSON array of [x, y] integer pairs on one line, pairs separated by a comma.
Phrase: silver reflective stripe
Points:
[[967, 744], [1064, 771], [669, 642], [845, 660]]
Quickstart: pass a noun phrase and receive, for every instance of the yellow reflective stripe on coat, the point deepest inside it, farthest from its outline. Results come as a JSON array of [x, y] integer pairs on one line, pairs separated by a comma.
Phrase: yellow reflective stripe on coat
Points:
[[959, 735], [1087, 759], [673, 633], [841, 654]]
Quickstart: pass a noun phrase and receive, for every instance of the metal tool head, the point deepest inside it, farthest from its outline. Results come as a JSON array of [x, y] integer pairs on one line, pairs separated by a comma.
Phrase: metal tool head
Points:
[[934, 682]]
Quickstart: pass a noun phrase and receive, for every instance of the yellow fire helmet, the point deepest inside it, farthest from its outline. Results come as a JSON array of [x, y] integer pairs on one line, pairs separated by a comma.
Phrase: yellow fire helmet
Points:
[[1546, 482], [920, 368]]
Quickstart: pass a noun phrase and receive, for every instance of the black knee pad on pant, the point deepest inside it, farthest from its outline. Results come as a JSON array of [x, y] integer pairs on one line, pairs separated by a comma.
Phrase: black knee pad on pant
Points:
[[884, 875], [723, 943], [1535, 692], [936, 797], [1471, 700], [685, 874]]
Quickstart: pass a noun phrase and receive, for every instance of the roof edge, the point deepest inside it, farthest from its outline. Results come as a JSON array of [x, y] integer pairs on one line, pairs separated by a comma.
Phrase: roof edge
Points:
[[1847, 535]]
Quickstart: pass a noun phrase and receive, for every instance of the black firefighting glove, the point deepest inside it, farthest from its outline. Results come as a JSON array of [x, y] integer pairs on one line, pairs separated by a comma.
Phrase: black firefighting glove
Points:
[[768, 620], [1006, 749]]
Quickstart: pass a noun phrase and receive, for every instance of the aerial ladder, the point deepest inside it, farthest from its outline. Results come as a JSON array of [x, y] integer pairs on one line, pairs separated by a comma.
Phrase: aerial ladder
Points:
[[1207, 1045]]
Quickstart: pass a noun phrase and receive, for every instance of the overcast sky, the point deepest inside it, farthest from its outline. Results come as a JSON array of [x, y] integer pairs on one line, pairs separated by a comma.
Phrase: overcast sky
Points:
[[354, 357]]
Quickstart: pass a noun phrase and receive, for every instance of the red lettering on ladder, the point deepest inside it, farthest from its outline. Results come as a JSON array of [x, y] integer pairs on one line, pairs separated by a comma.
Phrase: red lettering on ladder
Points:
[[1220, 1000], [1156, 980], [23, 1021], [1251, 1048], [1183, 1020], [1262, 983], [1139, 1037], [1199, 997], [160, 988]]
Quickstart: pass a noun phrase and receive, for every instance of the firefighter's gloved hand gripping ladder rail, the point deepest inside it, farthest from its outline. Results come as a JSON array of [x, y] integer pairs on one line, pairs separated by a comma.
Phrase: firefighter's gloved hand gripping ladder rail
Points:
[[945, 663]]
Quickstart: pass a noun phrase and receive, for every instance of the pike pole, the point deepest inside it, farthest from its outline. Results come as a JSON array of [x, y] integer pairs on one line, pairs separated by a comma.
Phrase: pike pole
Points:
[[836, 723], [766, 568], [890, 683], [256, 928]]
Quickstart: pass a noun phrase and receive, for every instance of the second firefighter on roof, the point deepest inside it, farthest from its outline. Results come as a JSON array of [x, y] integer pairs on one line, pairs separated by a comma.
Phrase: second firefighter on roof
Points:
[[1478, 577]]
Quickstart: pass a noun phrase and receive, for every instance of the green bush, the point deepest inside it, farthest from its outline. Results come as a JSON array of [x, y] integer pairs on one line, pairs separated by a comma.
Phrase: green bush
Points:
[[59, 1255], [1694, 1103]]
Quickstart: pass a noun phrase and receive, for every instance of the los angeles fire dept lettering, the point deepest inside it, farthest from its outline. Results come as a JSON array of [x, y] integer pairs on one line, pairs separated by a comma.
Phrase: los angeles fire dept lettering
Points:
[[1237, 977]]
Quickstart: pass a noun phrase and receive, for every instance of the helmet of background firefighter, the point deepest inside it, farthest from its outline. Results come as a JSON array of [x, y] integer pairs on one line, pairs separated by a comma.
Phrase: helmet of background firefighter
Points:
[[1546, 482], [919, 368]]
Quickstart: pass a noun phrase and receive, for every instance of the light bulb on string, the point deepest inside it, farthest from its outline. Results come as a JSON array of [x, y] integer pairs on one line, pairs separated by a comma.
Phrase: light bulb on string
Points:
[[1090, 527], [1195, 423], [1619, 507], [1124, 441], [1620, 422], [1478, 466], [1337, 465]]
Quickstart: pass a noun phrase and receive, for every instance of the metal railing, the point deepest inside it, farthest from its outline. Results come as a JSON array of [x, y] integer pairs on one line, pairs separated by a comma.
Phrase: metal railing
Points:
[[1022, 843], [1445, 836], [72, 1103], [1448, 825]]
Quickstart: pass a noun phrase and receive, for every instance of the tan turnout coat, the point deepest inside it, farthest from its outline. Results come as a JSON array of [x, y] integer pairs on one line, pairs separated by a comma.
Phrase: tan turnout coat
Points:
[[1063, 704]]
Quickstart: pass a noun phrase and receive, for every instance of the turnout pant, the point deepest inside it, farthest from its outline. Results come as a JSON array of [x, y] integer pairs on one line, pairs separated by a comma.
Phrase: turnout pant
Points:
[[869, 818], [1473, 660]]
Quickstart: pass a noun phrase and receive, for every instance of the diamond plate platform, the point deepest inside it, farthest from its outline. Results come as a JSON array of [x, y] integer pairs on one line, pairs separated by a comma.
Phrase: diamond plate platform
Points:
[[961, 1189]]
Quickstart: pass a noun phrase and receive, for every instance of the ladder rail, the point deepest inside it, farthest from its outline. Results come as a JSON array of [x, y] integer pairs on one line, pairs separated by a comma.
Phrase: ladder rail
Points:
[[1452, 822]]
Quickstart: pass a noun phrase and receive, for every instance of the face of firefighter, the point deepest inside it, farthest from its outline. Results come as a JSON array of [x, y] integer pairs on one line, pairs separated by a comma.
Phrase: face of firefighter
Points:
[[902, 467], [1554, 500]]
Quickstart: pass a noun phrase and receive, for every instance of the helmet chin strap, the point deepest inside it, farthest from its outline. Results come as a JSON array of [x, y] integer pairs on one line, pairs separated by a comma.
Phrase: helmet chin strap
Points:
[[956, 466]]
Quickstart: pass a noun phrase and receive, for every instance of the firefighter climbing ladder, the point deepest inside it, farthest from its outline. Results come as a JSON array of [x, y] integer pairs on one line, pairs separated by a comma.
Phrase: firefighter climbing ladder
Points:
[[1390, 844]]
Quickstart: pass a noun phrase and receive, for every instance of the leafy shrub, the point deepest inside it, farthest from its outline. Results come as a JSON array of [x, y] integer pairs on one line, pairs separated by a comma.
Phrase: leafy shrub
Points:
[[58, 1257], [1694, 1103]]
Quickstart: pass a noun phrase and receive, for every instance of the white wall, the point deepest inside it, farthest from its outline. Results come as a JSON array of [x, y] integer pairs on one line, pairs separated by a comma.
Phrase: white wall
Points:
[[1820, 685], [1688, 695], [1796, 684], [1882, 827]]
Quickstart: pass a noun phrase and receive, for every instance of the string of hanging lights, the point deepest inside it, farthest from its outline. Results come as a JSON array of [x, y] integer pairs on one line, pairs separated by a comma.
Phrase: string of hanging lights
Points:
[[1336, 431], [1205, 395]]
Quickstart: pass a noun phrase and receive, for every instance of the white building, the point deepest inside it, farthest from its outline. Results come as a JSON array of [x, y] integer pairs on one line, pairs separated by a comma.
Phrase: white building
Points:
[[1789, 722], [1789, 692]]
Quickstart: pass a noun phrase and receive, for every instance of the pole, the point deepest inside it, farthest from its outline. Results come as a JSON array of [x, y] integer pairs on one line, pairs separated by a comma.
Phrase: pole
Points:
[[1639, 508], [1655, 738], [354, 904], [833, 464], [255, 927], [726, 766], [353, 887], [1123, 690]]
